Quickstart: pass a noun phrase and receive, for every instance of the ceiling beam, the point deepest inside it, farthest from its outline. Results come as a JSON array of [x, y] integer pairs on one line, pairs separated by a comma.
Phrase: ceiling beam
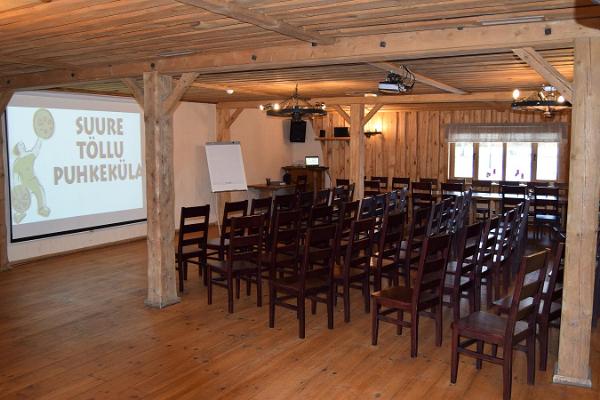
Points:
[[342, 113], [334, 102], [368, 48], [137, 91], [233, 117], [546, 71], [232, 10], [183, 84], [388, 66], [371, 113]]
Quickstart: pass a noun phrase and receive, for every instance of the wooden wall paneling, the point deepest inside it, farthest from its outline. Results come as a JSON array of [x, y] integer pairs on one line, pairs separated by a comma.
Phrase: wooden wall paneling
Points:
[[162, 285], [445, 119], [584, 186], [413, 150], [434, 146]]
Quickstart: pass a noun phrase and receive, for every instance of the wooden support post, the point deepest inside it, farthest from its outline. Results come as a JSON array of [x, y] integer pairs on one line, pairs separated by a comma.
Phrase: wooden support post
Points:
[[573, 366], [162, 285], [357, 149], [224, 122], [4, 265]]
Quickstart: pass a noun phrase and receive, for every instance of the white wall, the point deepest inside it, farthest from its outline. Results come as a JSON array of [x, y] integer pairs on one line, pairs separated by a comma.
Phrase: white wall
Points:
[[193, 124], [265, 146]]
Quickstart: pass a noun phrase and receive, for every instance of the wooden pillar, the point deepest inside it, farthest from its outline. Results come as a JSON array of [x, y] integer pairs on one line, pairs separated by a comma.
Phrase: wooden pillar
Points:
[[582, 219], [4, 265], [160, 194], [357, 149], [223, 135]]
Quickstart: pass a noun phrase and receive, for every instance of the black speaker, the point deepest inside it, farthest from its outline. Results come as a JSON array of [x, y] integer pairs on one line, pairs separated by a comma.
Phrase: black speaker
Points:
[[341, 131], [297, 131]]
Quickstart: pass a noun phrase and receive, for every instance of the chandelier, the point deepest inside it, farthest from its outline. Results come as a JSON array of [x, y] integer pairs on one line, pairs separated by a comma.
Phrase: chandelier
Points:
[[295, 107], [548, 100]]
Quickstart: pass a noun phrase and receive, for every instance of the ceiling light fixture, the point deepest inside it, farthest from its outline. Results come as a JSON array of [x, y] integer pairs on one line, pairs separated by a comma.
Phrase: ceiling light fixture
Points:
[[548, 100], [398, 81], [175, 53], [515, 20], [370, 94], [229, 91], [295, 107]]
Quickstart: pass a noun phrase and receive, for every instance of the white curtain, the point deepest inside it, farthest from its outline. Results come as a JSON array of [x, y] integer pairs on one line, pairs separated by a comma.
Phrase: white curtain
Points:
[[543, 132]]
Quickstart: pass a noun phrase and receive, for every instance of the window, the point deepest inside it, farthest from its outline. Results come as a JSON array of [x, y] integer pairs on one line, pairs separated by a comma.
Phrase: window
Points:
[[463, 160], [490, 161], [547, 161], [518, 161]]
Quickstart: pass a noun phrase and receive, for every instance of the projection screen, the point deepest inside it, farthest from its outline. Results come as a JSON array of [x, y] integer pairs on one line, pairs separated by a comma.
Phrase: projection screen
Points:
[[75, 163]]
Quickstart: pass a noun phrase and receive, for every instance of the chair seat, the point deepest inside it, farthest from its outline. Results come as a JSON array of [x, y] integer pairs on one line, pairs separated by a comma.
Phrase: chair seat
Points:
[[237, 266], [315, 281], [190, 253], [338, 272], [401, 297], [488, 327]]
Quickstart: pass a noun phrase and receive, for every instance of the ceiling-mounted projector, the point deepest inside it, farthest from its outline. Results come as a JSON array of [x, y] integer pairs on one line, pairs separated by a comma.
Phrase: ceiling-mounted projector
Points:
[[397, 83]]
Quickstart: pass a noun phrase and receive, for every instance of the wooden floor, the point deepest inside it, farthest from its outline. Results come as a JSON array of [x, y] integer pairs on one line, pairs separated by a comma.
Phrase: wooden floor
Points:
[[75, 327]]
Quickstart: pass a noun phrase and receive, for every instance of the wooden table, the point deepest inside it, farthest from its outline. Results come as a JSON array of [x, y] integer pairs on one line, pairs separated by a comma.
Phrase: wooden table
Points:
[[265, 190]]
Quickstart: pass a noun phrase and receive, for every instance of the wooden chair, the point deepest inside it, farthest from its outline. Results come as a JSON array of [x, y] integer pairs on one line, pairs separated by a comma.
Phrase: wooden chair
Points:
[[216, 247], [355, 270], [422, 194], [483, 327], [487, 258], [419, 228], [396, 200], [426, 295], [320, 215], [323, 197], [243, 261], [546, 211], [192, 239], [383, 182], [483, 207], [449, 189], [367, 207], [550, 303], [313, 281], [388, 261], [400, 183], [301, 183], [512, 196], [372, 187], [263, 206], [285, 241], [433, 181], [461, 181], [342, 182], [285, 202], [460, 281], [348, 213]]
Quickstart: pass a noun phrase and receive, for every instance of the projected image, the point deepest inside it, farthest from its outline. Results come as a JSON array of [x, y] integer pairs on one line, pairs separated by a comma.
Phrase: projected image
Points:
[[73, 168]]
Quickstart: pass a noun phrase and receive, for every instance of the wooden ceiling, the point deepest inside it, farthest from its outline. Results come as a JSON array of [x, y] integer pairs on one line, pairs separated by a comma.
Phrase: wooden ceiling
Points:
[[40, 37]]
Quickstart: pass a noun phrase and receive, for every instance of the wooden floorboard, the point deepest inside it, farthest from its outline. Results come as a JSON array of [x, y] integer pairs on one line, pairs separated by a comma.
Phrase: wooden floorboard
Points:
[[75, 327]]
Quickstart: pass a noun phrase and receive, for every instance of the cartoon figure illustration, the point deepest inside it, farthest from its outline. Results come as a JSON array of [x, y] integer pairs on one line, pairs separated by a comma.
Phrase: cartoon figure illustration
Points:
[[26, 183]]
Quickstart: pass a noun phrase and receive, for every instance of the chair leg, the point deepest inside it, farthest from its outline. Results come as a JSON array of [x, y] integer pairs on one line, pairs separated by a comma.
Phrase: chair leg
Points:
[[414, 334], [249, 284], [438, 324], [302, 312], [272, 294], [346, 302], [507, 374], [313, 306], [330, 296], [230, 294], [237, 288], [400, 319], [181, 277], [366, 293], [209, 283], [185, 270], [543, 338], [375, 322], [531, 358], [454, 360], [478, 361], [258, 287]]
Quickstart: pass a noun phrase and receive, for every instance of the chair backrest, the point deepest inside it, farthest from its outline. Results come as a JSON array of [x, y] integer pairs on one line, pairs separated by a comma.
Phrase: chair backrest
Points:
[[489, 242], [367, 207], [527, 292], [550, 293], [390, 238], [372, 187], [348, 212], [422, 194], [301, 183], [545, 201], [323, 197], [461, 181], [383, 182], [285, 202], [245, 242], [417, 232], [360, 245], [341, 193], [379, 209], [482, 186], [400, 183], [512, 195], [448, 188], [468, 241], [342, 182], [433, 181], [230, 210], [432, 266], [285, 239], [351, 191], [193, 227], [320, 215], [263, 206], [319, 251]]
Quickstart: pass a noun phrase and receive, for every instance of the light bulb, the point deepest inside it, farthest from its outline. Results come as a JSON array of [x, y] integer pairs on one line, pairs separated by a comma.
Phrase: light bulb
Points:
[[560, 99], [261, 107], [276, 106], [229, 91], [516, 94]]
